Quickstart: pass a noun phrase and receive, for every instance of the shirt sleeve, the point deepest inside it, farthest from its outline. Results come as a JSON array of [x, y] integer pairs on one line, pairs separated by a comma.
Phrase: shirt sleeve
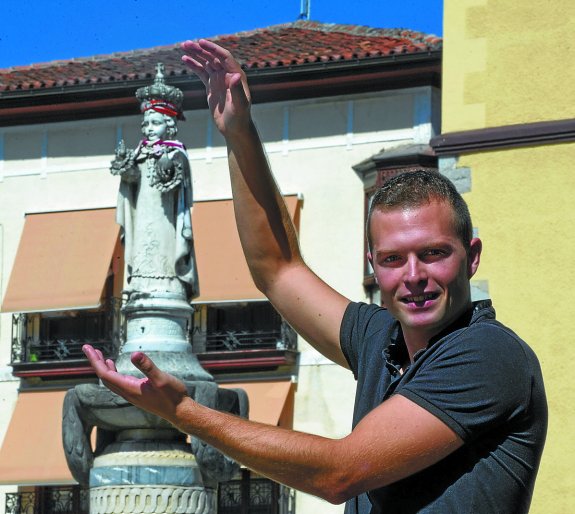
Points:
[[363, 325], [474, 381], [346, 338]]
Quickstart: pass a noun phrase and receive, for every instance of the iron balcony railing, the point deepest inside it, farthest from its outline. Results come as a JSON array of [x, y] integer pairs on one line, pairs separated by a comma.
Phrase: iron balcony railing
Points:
[[254, 495], [49, 500], [27, 349], [284, 338], [247, 495]]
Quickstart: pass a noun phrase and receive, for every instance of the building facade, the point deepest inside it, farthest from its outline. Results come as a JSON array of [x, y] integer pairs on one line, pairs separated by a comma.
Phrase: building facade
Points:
[[338, 108], [508, 141]]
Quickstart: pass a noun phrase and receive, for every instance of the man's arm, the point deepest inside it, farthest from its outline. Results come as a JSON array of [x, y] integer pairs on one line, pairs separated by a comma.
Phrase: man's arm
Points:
[[334, 469], [268, 237]]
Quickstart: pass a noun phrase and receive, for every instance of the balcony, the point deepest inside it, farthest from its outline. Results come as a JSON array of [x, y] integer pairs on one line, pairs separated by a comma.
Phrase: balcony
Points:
[[244, 337], [254, 495], [239, 337], [49, 500], [48, 345]]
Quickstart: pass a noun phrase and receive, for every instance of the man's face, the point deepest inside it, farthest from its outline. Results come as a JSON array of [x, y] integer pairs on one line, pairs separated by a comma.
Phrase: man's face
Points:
[[154, 126], [422, 267]]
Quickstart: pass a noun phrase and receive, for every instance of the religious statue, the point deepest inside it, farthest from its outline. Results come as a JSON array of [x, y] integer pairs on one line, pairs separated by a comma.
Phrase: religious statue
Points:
[[155, 199], [140, 462]]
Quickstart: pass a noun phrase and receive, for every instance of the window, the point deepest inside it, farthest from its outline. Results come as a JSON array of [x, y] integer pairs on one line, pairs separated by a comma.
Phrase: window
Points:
[[242, 336], [254, 325], [59, 336]]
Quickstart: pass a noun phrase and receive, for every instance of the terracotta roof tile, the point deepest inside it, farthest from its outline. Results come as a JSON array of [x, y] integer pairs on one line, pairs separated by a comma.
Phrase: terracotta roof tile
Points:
[[290, 44]]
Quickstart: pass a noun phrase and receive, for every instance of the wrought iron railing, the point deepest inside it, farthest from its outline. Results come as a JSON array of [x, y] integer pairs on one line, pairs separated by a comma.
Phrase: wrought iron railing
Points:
[[49, 500], [284, 338], [26, 349], [244, 496], [250, 495]]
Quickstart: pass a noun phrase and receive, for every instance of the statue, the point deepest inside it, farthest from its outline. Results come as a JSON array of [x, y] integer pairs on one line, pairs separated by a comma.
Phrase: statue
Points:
[[155, 199], [140, 462]]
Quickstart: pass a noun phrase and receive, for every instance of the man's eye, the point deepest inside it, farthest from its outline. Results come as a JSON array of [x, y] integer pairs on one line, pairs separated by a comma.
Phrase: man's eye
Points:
[[433, 252], [390, 259]]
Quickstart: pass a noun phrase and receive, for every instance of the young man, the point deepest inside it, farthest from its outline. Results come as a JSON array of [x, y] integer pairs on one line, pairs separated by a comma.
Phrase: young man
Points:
[[450, 412]]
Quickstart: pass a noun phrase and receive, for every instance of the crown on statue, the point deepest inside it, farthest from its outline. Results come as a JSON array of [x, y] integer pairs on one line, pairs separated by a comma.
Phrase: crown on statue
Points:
[[160, 97]]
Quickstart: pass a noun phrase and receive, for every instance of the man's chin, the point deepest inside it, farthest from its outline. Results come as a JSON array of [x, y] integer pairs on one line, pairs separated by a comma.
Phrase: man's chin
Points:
[[425, 320]]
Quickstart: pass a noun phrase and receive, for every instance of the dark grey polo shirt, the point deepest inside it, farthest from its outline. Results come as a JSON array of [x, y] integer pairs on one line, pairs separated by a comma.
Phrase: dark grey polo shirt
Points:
[[483, 382]]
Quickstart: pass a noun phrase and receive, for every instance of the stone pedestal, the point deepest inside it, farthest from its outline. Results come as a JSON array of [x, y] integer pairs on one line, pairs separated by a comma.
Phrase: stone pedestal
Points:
[[159, 326], [141, 464], [150, 471]]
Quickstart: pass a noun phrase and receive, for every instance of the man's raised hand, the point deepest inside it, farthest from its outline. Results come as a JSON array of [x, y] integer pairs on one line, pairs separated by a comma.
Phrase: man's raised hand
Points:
[[226, 85]]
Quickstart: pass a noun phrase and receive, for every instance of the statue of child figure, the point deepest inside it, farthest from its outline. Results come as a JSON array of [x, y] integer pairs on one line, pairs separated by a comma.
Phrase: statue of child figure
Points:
[[155, 199]]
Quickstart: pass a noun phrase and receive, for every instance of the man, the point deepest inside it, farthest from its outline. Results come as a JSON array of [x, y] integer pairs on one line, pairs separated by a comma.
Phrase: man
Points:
[[450, 412]]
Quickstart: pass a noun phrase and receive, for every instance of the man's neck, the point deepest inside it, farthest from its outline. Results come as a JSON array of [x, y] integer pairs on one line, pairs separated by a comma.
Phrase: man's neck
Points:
[[415, 340], [418, 339]]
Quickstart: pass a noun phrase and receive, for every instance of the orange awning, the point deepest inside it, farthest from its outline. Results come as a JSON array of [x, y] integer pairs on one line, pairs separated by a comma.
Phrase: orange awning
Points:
[[270, 402], [223, 272], [32, 452], [62, 261]]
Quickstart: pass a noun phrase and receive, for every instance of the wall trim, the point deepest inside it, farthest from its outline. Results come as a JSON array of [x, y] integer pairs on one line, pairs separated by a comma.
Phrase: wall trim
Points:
[[509, 136]]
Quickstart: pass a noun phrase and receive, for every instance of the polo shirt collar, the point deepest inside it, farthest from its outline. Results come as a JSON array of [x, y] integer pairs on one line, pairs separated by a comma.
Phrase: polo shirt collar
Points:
[[396, 352]]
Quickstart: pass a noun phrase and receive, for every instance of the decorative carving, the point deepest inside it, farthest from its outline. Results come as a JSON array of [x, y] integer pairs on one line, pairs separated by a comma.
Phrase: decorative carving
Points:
[[165, 499], [160, 96]]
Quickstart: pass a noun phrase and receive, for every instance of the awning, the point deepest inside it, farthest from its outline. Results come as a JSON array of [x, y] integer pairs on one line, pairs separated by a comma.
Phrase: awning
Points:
[[62, 261], [223, 272], [32, 452], [270, 402]]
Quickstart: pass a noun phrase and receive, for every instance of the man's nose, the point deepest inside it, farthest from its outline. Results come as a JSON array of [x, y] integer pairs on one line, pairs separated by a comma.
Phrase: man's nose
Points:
[[415, 272]]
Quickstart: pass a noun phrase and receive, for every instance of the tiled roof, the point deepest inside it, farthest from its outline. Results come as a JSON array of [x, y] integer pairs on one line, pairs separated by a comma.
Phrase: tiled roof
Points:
[[291, 44]]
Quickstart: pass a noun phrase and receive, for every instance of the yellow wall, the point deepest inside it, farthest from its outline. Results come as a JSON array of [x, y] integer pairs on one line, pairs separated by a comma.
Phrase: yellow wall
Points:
[[510, 62], [507, 62], [522, 204]]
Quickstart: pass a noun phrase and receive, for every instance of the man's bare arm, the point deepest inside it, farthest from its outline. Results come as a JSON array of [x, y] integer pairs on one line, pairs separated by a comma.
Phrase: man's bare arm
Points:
[[268, 237], [396, 440]]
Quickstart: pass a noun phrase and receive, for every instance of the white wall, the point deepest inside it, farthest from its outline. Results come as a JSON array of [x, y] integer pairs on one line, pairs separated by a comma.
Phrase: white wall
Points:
[[312, 146]]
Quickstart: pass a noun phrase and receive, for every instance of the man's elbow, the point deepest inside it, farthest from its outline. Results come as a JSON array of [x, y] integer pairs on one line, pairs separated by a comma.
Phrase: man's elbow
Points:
[[275, 274], [338, 488]]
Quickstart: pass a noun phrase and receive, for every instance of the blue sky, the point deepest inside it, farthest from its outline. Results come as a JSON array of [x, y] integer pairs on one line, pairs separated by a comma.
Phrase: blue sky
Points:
[[34, 31]]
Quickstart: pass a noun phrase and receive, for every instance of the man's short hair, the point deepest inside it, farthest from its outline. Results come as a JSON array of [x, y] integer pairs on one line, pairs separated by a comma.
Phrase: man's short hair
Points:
[[417, 188]]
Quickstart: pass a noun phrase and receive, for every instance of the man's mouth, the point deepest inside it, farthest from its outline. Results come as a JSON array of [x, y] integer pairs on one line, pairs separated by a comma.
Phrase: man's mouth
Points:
[[419, 299]]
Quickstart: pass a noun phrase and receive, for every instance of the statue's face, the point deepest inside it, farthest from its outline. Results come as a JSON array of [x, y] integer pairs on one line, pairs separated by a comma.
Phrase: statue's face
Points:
[[154, 126]]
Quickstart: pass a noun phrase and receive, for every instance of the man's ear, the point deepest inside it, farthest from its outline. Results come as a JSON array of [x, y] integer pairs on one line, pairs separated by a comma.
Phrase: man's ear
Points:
[[474, 256], [370, 259]]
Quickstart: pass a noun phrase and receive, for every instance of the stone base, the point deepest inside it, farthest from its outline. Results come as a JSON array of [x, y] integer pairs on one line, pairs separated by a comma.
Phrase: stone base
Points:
[[154, 499], [159, 326], [156, 476]]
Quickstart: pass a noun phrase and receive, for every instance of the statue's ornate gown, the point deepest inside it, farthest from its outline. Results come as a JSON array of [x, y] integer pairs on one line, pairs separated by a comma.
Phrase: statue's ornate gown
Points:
[[158, 238]]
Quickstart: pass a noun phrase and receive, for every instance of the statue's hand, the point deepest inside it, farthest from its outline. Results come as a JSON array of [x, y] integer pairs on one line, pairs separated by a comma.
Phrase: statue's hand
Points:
[[124, 163], [165, 168], [226, 84], [167, 173]]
